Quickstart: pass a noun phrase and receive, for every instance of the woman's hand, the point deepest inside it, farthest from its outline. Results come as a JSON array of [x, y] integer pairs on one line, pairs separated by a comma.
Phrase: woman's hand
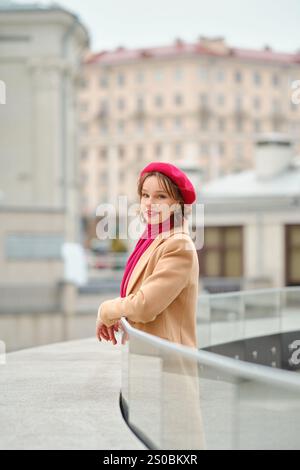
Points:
[[107, 333]]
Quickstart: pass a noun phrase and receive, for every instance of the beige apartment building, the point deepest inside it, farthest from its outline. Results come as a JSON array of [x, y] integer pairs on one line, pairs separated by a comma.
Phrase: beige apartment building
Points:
[[204, 102]]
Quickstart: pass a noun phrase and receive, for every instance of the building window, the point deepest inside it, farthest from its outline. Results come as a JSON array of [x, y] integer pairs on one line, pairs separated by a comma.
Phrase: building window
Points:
[[104, 196], [121, 104], [158, 100], [83, 82], [275, 80], [178, 74], [238, 103], [203, 99], [140, 104], [121, 79], [121, 152], [84, 201], [140, 76], [84, 154], [257, 125], [103, 153], [239, 124], [238, 152], [178, 99], [159, 124], [221, 124], [238, 76], [292, 250], [121, 126], [104, 128], [33, 246], [178, 149], [204, 123], [84, 106], [140, 125], [276, 125], [158, 74], [158, 150], [257, 78], [139, 152], [294, 106], [103, 81], [222, 253], [221, 148], [256, 103], [220, 100], [178, 122], [103, 177], [84, 178], [84, 127], [202, 73], [104, 107], [276, 106], [204, 149], [220, 75]]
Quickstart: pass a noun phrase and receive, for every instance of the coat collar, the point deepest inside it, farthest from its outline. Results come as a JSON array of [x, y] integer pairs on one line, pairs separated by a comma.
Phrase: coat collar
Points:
[[148, 252]]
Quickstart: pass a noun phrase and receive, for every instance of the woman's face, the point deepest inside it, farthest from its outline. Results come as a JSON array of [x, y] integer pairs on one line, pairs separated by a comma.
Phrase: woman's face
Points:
[[155, 201]]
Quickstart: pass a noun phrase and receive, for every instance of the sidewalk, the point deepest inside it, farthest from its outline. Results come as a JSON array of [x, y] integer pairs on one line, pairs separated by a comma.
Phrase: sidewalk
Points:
[[64, 396]]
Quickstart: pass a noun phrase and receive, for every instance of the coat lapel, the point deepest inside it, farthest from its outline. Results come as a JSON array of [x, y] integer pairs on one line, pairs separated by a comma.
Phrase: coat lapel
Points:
[[140, 265]]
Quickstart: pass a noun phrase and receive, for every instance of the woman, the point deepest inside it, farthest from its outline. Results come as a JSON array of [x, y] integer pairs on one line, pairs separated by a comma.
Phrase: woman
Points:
[[159, 288]]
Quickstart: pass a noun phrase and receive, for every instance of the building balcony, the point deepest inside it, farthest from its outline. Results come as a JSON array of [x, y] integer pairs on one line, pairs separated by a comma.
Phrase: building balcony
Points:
[[239, 390]]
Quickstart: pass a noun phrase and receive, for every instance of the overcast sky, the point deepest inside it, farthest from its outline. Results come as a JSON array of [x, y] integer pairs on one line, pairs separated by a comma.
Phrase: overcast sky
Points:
[[140, 23]]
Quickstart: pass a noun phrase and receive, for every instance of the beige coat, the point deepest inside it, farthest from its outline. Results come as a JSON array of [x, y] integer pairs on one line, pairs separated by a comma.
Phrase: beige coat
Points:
[[161, 295]]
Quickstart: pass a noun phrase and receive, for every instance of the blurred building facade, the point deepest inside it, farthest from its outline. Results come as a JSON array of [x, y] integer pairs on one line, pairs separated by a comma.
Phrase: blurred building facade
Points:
[[204, 102], [40, 54], [252, 222]]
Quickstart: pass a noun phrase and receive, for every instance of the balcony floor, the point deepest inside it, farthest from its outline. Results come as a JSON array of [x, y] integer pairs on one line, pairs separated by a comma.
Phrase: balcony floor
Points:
[[64, 396]]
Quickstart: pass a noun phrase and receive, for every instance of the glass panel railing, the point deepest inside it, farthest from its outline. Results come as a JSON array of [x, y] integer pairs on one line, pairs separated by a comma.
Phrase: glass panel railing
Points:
[[203, 322], [267, 417], [290, 309], [236, 316], [227, 318], [262, 313], [163, 395], [181, 398]]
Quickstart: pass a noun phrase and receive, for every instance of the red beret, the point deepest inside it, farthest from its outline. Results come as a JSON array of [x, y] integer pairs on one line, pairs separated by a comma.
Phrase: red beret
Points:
[[177, 176]]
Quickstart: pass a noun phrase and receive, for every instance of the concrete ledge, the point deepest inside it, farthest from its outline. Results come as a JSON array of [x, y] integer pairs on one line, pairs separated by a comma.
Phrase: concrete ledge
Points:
[[64, 396]]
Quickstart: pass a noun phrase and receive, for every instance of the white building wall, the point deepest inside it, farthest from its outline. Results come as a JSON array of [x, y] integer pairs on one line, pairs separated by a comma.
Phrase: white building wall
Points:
[[40, 54], [263, 241]]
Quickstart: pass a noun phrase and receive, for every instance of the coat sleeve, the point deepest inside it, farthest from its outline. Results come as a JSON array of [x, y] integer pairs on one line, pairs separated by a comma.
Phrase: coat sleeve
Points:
[[168, 279]]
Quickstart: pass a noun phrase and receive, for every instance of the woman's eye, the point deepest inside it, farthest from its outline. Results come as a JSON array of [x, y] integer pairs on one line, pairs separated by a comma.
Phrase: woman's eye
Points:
[[161, 195]]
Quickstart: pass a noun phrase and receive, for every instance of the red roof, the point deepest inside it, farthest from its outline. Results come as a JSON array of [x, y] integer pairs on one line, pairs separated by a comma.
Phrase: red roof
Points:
[[180, 48]]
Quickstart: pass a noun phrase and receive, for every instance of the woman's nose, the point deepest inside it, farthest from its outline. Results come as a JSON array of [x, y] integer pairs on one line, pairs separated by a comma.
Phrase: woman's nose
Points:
[[151, 205], [150, 202]]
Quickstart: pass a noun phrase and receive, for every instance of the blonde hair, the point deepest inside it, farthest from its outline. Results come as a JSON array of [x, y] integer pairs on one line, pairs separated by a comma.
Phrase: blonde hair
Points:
[[171, 189]]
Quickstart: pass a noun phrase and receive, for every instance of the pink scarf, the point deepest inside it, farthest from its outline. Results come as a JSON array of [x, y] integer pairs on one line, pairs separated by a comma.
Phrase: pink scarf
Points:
[[147, 237]]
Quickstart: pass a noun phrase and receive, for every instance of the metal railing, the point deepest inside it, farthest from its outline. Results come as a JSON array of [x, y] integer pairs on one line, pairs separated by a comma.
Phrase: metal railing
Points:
[[175, 397]]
